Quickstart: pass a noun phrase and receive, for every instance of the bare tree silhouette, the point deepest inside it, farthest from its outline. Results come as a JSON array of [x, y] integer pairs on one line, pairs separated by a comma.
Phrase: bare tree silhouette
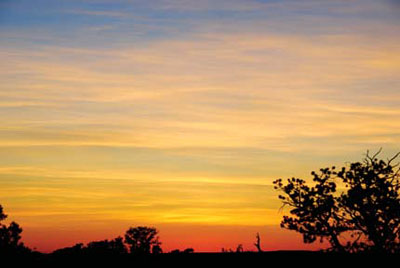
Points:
[[257, 244], [367, 213]]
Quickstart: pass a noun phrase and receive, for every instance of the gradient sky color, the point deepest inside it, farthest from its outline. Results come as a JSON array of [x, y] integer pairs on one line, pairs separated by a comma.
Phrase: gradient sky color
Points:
[[180, 113]]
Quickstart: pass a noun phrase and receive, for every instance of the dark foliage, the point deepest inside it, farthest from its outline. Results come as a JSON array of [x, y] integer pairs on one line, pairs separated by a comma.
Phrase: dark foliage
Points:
[[188, 250], [156, 249], [107, 247], [185, 251], [73, 251], [143, 240], [10, 237], [364, 216], [99, 249]]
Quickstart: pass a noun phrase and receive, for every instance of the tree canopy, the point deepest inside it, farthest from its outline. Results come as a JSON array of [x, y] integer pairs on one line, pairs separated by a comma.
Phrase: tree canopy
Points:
[[356, 208], [142, 240]]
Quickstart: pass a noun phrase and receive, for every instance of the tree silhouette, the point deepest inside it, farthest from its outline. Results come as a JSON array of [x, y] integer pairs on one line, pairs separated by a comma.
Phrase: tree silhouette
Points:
[[366, 216], [10, 237], [142, 239]]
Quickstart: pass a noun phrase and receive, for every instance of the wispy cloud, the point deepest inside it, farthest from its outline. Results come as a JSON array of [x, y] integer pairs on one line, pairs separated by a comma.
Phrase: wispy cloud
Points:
[[105, 13], [144, 85]]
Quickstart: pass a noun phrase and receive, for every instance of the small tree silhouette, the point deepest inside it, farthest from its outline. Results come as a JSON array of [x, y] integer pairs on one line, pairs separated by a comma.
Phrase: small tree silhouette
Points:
[[141, 239], [2, 215], [156, 249], [368, 212]]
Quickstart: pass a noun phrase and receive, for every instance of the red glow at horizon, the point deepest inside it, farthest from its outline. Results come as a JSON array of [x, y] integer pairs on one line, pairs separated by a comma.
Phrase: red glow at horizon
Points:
[[202, 238]]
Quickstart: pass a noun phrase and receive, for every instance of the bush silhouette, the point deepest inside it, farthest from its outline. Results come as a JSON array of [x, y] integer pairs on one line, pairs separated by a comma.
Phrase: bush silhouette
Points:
[[142, 240], [364, 216], [106, 247], [70, 252], [188, 250]]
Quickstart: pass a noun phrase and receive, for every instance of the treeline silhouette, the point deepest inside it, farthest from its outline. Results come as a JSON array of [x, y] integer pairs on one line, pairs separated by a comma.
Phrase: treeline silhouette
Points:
[[355, 208], [138, 241]]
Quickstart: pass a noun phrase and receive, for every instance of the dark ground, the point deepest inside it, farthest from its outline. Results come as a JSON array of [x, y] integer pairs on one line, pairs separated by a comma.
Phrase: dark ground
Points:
[[245, 259]]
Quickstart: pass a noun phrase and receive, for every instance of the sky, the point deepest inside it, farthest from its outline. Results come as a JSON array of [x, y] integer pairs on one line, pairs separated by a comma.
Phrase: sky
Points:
[[180, 114]]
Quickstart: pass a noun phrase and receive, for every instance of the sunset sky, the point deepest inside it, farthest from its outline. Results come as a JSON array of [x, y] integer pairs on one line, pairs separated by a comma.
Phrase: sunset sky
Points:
[[179, 114]]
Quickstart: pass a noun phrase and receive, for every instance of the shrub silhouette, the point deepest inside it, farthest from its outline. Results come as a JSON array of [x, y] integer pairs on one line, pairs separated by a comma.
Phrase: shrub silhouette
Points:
[[70, 252], [188, 250], [185, 251], [156, 249], [142, 240], [106, 247], [367, 214]]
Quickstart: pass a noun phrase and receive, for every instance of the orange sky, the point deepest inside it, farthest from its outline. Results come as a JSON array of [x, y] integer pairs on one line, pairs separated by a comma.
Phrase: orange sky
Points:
[[179, 114]]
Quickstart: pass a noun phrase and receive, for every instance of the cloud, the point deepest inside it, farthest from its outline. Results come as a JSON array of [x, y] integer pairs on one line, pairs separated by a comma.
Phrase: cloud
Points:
[[105, 13], [213, 90]]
